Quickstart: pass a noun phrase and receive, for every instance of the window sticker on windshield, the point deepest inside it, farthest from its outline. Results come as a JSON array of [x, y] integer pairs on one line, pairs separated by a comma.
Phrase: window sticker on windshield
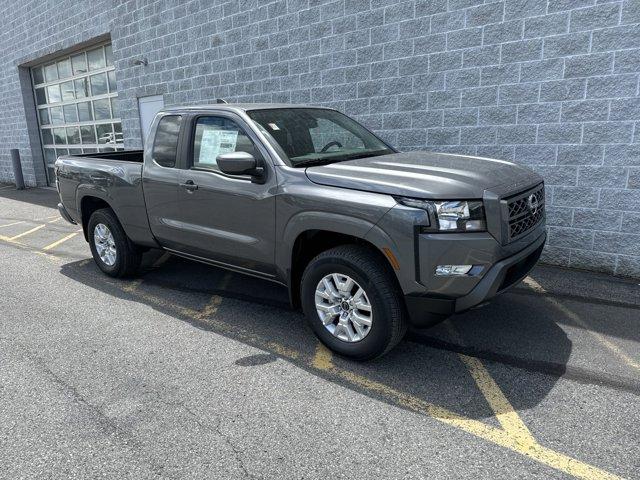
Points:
[[216, 142], [273, 126]]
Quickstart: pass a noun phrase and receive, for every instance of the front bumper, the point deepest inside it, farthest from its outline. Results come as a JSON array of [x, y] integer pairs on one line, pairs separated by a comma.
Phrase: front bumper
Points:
[[426, 310]]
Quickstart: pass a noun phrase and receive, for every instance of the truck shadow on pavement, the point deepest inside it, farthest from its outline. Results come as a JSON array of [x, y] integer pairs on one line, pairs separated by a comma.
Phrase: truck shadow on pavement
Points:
[[42, 197], [521, 346]]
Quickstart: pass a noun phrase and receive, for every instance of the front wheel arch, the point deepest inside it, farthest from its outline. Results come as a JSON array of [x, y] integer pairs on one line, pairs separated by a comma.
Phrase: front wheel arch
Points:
[[310, 243], [388, 320]]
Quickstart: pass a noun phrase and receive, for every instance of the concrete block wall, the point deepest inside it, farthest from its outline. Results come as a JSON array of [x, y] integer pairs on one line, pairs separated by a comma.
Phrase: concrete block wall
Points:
[[552, 84]]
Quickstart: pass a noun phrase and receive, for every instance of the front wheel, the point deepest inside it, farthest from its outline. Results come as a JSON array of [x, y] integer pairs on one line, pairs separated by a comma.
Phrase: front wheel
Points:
[[112, 250], [351, 301]]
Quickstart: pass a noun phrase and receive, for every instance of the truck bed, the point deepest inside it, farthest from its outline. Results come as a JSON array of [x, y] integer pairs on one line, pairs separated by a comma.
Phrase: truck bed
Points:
[[114, 178], [121, 155]]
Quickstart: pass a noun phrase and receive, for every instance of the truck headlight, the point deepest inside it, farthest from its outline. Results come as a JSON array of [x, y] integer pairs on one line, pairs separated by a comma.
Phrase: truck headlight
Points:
[[452, 215]]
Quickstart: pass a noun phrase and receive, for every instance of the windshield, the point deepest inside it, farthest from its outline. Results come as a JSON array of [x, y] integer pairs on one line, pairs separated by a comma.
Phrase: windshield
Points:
[[310, 136]]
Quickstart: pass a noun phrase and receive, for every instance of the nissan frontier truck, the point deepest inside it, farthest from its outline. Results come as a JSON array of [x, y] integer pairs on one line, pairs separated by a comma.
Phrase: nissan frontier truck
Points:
[[368, 240]]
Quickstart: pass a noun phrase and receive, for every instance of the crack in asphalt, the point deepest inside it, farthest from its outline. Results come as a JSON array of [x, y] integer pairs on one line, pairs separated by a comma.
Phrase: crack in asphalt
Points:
[[237, 454], [216, 430], [107, 425]]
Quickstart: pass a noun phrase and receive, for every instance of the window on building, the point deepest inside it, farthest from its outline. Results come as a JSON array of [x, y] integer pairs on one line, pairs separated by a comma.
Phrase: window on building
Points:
[[77, 104]]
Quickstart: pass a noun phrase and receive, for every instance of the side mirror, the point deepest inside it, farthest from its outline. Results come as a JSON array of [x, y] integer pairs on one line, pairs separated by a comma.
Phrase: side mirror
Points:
[[239, 163]]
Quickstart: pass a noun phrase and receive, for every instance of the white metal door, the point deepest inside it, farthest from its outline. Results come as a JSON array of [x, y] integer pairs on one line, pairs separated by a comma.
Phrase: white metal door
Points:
[[148, 107]]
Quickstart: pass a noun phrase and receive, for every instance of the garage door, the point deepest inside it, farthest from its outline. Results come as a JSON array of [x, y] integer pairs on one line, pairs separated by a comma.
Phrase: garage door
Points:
[[77, 106]]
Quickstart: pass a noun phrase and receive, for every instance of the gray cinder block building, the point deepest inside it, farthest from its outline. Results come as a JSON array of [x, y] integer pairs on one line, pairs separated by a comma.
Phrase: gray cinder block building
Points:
[[552, 84]]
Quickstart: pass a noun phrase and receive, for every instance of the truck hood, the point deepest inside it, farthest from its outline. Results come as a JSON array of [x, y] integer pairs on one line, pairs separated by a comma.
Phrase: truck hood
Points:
[[422, 175]]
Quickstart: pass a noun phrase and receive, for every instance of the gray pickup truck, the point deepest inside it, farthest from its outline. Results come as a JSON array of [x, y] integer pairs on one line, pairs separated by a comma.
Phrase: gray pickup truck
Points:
[[367, 239]]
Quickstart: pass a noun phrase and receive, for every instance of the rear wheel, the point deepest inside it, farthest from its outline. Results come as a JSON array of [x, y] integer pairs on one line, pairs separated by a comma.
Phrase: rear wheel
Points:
[[112, 250], [352, 302]]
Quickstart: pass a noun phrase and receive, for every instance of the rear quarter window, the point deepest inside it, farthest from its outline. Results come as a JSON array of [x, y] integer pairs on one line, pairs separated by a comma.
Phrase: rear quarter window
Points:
[[165, 144]]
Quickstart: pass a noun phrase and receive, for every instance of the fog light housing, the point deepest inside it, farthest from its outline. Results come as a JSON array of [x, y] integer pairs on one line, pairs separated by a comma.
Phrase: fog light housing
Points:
[[453, 270]]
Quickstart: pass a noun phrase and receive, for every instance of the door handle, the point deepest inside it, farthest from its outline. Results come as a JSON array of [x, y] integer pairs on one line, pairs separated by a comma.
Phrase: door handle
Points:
[[189, 186]]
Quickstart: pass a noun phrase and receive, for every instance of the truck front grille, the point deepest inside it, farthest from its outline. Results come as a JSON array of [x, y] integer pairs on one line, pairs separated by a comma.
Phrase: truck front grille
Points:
[[526, 211]]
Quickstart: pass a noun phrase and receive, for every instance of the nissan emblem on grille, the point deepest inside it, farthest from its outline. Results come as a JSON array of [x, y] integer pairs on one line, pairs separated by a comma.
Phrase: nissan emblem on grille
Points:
[[533, 203], [525, 210]]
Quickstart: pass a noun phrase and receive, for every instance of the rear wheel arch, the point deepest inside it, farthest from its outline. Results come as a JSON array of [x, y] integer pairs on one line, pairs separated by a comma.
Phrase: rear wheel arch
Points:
[[105, 234], [88, 205]]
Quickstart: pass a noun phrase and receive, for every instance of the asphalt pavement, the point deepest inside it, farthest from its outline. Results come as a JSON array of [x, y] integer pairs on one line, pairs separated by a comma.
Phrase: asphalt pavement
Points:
[[189, 371]]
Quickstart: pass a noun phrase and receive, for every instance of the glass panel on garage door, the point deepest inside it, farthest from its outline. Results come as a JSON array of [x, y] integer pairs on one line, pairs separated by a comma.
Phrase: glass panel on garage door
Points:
[[77, 104]]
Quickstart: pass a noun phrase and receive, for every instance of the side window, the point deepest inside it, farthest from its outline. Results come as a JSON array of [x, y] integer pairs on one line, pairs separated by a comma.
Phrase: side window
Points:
[[165, 145], [217, 135]]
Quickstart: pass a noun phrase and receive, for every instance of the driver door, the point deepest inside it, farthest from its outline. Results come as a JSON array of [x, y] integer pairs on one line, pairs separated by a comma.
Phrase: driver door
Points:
[[227, 219]]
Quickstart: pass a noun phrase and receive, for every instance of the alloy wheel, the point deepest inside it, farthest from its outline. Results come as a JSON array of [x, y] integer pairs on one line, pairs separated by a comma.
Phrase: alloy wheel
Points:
[[105, 244], [343, 307]]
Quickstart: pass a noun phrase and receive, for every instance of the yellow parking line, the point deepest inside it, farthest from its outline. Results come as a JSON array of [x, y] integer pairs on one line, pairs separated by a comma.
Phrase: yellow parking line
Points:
[[282, 350], [49, 256], [131, 287], [615, 349], [210, 308], [511, 436], [504, 411], [323, 358], [28, 232], [58, 242], [48, 217], [38, 251], [20, 235], [528, 447], [11, 224], [8, 240]]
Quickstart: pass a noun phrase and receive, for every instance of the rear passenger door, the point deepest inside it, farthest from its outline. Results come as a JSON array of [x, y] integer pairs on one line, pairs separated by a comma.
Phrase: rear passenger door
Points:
[[161, 175], [227, 219]]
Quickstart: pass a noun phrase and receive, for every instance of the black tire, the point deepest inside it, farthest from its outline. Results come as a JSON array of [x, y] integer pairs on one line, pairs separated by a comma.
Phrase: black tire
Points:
[[371, 271], [128, 255]]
